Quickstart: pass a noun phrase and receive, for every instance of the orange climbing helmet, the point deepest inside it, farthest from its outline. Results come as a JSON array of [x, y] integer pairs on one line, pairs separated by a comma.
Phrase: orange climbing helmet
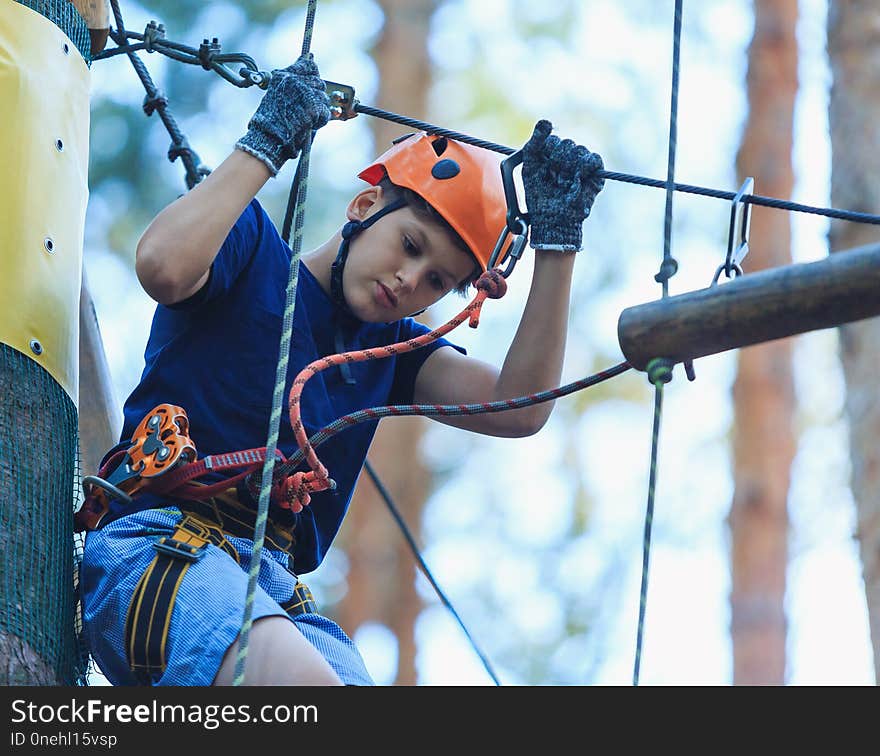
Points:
[[461, 182]]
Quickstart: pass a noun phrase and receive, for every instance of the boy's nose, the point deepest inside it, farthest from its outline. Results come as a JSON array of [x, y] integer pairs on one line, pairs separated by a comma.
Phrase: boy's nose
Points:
[[406, 277]]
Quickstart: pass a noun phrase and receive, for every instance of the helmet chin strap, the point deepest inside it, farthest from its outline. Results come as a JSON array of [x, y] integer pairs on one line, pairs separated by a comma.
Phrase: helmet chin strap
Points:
[[349, 231]]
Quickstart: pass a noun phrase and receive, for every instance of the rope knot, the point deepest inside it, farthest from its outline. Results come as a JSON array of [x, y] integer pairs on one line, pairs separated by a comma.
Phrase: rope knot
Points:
[[659, 370], [493, 283], [157, 100], [293, 492], [668, 268], [350, 229]]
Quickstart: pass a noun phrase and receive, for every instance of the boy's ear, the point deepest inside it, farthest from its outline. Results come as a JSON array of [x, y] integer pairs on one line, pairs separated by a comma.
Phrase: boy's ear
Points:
[[363, 202]]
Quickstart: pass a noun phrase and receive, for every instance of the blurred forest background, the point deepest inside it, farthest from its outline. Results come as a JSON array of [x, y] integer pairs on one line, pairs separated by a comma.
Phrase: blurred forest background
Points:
[[756, 572]]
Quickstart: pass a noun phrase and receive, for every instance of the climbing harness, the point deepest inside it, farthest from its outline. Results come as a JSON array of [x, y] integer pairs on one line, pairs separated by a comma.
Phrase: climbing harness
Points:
[[148, 618], [160, 459]]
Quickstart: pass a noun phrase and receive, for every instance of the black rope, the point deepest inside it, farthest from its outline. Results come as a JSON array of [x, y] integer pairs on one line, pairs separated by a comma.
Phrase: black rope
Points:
[[752, 199], [155, 101], [407, 534], [660, 371], [431, 129]]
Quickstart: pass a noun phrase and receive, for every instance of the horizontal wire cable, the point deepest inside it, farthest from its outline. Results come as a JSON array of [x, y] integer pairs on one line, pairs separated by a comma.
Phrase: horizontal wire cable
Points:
[[752, 199]]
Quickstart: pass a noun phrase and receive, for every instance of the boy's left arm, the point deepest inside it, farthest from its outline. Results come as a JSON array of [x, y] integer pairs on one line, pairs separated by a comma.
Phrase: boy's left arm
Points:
[[560, 184], [533, 362]]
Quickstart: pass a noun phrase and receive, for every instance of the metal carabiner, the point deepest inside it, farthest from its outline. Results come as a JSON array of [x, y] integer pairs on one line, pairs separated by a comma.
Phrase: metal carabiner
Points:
[[517, 220], [738, 232], [514, 249]]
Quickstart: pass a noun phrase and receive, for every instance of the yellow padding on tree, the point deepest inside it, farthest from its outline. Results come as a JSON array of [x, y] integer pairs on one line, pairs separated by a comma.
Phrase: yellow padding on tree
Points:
[[44, 151]]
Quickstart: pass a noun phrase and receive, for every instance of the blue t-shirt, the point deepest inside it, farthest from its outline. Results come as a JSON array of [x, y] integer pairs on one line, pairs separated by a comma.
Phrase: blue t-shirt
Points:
[[215, 354]]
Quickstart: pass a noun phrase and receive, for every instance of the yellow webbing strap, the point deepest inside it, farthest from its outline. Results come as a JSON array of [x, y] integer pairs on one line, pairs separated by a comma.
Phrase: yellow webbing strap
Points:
[[152, 603], [44, 150]]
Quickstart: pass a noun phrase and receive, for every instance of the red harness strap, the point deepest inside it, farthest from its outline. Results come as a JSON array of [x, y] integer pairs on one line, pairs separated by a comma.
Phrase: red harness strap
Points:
[[160, 460]]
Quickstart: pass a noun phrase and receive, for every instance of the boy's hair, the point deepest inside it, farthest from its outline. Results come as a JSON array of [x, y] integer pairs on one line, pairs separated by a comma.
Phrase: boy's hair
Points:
[[421, 207]]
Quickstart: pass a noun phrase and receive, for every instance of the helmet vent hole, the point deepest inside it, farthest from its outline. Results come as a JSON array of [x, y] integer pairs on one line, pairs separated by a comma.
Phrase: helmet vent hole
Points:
[[440, 146], [445, 169]]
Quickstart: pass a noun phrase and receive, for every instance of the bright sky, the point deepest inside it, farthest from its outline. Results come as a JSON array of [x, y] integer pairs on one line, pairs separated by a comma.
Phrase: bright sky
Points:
[[686, 633]]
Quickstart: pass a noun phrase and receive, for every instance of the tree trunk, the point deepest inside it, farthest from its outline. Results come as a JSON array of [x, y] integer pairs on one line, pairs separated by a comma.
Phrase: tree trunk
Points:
[[381, 579], [854, 51], [44, 86], [763, 393]]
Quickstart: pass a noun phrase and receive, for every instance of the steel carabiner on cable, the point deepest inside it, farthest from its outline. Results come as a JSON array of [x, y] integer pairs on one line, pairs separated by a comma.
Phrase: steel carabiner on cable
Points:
[[517, 221]]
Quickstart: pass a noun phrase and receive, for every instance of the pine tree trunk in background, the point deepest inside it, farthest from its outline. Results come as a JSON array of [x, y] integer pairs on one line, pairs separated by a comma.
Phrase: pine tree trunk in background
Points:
[[381, 579], [763, 393], [854, 51]]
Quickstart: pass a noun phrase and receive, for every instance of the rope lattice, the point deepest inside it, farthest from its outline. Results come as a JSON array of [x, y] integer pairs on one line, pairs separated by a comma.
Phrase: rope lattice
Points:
[[156, 102]]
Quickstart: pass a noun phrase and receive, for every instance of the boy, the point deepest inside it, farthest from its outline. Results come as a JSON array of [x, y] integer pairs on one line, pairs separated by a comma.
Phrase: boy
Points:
[[425, 225]]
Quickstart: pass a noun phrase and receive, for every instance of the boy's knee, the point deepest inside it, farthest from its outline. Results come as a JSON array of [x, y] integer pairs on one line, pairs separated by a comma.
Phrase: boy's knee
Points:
[[278, 654]]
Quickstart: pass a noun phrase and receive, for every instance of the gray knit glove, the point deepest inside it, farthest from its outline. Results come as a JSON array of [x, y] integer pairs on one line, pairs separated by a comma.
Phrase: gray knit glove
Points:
[[560, 182], [295, 104]]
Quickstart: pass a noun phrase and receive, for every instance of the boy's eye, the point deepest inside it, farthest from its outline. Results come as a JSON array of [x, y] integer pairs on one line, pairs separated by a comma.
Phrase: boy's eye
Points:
[[409, 246], [436, 282]]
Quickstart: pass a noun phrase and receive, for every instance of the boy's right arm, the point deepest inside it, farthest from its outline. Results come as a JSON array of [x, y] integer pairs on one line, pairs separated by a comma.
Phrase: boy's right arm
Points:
[[176, 251]]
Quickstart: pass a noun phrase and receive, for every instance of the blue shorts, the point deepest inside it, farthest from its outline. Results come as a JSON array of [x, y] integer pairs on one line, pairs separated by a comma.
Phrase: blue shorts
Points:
[[207, 613]]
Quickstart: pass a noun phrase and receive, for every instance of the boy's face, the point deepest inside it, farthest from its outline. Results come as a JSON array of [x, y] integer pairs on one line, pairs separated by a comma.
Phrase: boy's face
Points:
[[400, 265]]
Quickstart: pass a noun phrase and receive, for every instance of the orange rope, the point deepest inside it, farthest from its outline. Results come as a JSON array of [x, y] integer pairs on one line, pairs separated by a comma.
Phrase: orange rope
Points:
[[294, 491]]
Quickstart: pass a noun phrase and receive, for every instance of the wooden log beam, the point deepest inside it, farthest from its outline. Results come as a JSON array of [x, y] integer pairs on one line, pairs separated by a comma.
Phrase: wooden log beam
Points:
[[100, 416], [754, 308]]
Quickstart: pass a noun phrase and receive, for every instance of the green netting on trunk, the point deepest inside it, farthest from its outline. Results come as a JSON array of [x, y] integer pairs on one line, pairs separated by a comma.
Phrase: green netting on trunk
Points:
[[39, 489], [66, 17]]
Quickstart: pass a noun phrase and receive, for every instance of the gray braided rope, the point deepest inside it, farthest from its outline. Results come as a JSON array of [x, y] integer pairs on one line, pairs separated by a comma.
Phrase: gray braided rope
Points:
[[278, 393], [446, 410]]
